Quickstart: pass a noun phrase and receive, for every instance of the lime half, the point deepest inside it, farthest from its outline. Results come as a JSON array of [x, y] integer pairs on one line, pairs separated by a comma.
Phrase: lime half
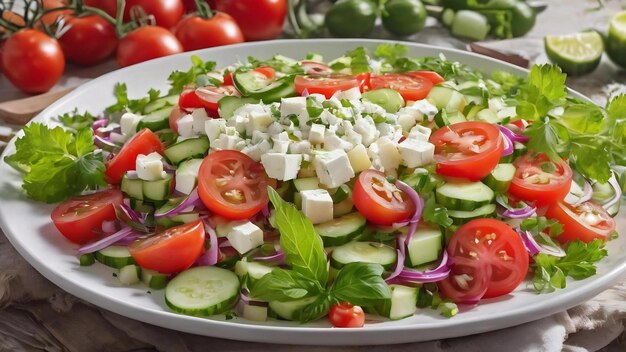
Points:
[[616, 44], [577, 54]]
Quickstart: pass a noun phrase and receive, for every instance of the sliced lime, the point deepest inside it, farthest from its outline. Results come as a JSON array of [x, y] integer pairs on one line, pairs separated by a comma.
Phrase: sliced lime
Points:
[[616, 44], [577, 54]]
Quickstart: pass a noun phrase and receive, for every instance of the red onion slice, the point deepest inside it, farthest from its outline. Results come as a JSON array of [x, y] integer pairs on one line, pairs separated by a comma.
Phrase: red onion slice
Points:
[[104, 143], [577, 200], [99, 124], [616, 196], [419, 207], [512, 136], [105, 242], [507, 211], [441, 272], [508, 145], [209, 257], [129, 213], [192, 200], [399, 266], [534, 248]]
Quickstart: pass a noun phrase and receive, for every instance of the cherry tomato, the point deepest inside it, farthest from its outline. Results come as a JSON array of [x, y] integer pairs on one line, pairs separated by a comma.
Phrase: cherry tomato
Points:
[[108, 6], [195, 32], [541, 180], [314, 67], [78, 217], [89, 39], [488, 260], [166, 12], [585, 222], [232, 185], [432, 76], [411, 87], [258, 19], [53, 16], [190, 5], [326, 85], [176, 114], [144, 142], [145, 43], [346, 315], [467, 149], [171, 251], [210, 96], [380, 201], [188, 99], [35, 60]]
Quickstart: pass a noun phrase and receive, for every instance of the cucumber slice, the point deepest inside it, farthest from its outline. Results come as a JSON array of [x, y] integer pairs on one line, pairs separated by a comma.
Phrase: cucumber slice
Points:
[[229, 104], [154, 279], [276, 91], [387, 98], [500, 178], [464, 195], [250, 81], [202, 291], [341, 230], [460, 217], [129, 275], [115, 256], [365, 252], [425, 246], [253, 270], [341, 194], [157, 191], [87, 259], [344, 207], [447, 98], [155, 121], [577, 54], [471, 111], [487, 115], [254, 84], [402, 304], [289, 310], [306, 184], [132, 187], [187, 149], [161, 103]]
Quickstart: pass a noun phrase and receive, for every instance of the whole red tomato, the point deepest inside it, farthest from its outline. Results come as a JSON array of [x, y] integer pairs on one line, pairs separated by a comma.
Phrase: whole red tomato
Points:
[[195, 32], [35, 59], [145, 43], [108, 6], [258, 19], [165, 12], [89, 39], [190, 5]]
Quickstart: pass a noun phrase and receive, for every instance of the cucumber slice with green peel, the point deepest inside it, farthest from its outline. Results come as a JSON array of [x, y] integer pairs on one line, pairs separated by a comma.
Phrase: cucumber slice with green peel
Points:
[[132, 187], [341, 230], [441, 119], [341, 194], [306, 184], [156, 121], [487, 115], [154, 279], [364, 252], [157, 191], [402, 304], [290, 310], [115, 256], [460, 217], [276, 91], [129, 275], [471, 111], [187, 149], [202, 291], [87, 259], [256, 85], [387, 98], [425, 246], [250, 81], [229, 104], [253, 270], [577, 54], [344, 207], [161, 103], [456, 117], [616, 43], [500, 178], [444, 97], [464, 195]]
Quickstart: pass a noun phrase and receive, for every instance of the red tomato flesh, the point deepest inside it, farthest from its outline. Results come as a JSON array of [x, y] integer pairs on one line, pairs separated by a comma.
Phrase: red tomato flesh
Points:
[[326, 85], [144, 142], [380, 201], [410, 87], [585, 222], [541, 180]]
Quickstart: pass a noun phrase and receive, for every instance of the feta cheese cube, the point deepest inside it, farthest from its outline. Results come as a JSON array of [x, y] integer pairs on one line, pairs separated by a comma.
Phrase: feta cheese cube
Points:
[[316, 134], [333, 168], [317, 205], [129, 122], [420, 133], [245, 237], [350, 94], [185, 126], [150, 167], [423, 108], [416, 153], [282, 167], [228, 142], [280, 146], [187, 175], [367, 129], [240, 123], [359, 160], [352, 137], [390, 158], [294, 105], [275, 128], [301, 147], [332, 142], [328, 118], [495, 104], [213, 128], [258, 136], [407, 121], [199, 119], [258, 121]]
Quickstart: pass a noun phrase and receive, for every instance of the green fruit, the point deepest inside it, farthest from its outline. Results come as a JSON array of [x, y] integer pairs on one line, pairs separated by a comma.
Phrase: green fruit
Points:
[[577, 54], [404, 17], [616, 44], [351, 18]]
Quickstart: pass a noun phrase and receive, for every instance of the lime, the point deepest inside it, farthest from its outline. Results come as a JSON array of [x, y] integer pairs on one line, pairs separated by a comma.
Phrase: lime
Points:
[[616, 44], [577, 54]]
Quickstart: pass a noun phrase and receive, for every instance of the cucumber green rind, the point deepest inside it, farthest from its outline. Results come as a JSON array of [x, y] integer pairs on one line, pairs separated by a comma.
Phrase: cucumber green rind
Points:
[[500, 178], [365, 252], [115, 257], [187, 149], [465, 196], [156, 121], [460, 217], [341, 230]]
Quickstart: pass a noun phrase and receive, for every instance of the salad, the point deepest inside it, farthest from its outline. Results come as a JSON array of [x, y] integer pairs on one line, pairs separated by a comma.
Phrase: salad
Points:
[[298, 189]]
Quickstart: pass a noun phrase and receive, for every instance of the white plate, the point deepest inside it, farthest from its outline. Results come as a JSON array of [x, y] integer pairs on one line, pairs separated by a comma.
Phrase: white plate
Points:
[[27, 225]]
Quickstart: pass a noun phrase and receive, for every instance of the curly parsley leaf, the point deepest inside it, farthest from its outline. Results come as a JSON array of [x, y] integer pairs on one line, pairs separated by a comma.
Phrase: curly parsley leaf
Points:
[[548, 137], [179, 79], [76, 121], [124, 103], [58, 163], [544, 89], [435, 213], [358, 61], [278, 63], [540, 224], [579, 263]]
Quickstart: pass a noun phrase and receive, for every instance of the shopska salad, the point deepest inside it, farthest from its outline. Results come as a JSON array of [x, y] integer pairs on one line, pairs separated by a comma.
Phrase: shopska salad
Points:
[[299, 189]]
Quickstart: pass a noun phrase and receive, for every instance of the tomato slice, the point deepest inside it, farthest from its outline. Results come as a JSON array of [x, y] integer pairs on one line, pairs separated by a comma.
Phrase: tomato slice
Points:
[[432, 76], [346, 315], [171, 251], [380, 201], [267, 71], [210, 96], [467, 149], [78, 217], [232, 185], [314, 67], [411, 87], [188, 99], [144, 142], [326, 85], [364, 81], [488, 260], [585, 222], [541, 180]]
